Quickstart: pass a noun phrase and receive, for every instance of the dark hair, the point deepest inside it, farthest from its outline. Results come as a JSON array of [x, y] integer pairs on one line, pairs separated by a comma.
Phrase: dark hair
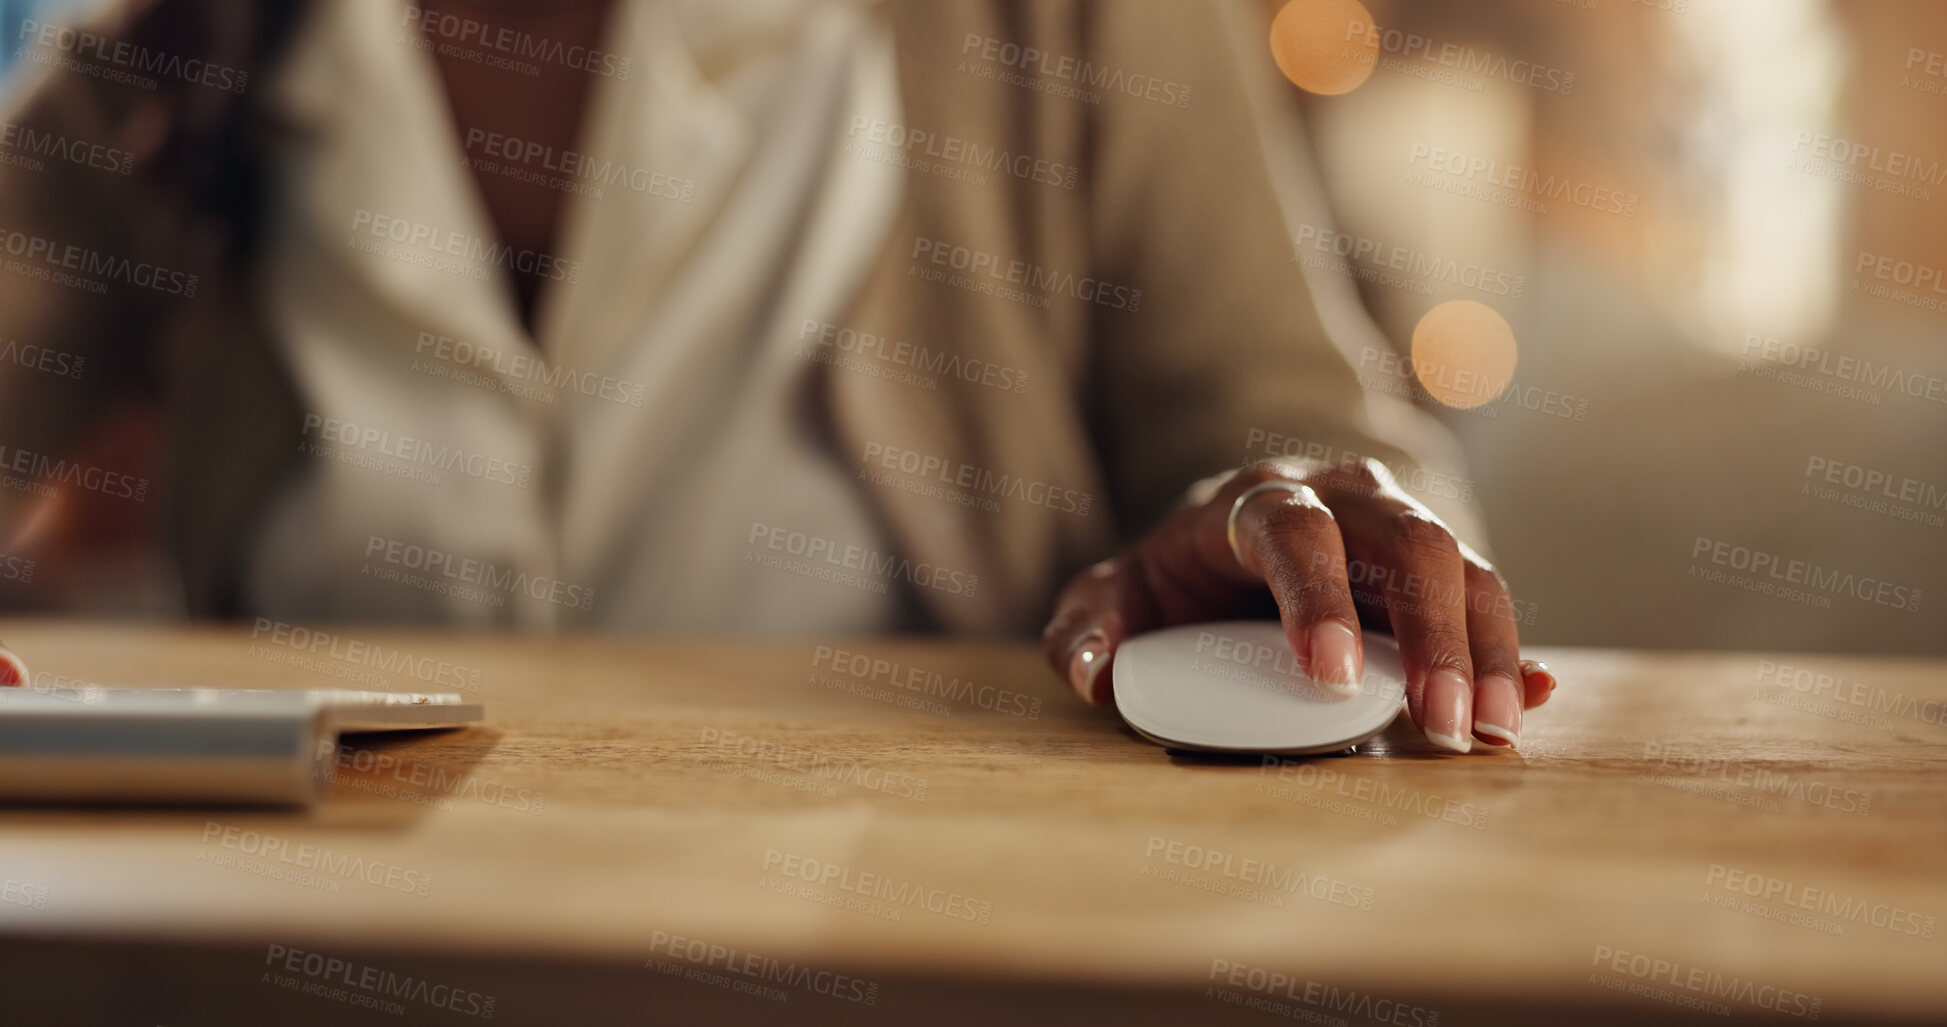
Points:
[[218, 140]]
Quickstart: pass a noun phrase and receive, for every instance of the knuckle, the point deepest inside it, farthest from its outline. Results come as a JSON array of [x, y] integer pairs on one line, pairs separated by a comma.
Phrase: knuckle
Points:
[[1482, 578], [1418, 533], [1261, 471], [1362, 477], [1474, 558], [1294, 519], [1367, 473], [1489, 600], [1445, 645]]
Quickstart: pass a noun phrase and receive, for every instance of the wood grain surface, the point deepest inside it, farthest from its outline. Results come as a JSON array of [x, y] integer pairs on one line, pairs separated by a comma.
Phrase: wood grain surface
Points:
[[680, 830]]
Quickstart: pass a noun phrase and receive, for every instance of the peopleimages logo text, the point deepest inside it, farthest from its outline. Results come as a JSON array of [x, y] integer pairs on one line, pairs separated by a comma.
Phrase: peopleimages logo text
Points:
[[419, 451], [1808, 575], [272, 849], [955, 150], [470, 571], [849, 557], [1043, 280], [96, 265], [1467, 59], [514, 43], [1704, 982], [376, 983], [472, 249], [123, 54], [1035, 61], [44, 468], [26, 139], [1599, 198]]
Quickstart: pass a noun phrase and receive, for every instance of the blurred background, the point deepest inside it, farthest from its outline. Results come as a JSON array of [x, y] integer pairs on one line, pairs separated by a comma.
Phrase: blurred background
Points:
[[1722, 353], [1716, 230]]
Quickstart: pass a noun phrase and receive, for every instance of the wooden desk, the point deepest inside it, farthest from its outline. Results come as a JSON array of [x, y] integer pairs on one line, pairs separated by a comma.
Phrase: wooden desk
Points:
[[630, 842]]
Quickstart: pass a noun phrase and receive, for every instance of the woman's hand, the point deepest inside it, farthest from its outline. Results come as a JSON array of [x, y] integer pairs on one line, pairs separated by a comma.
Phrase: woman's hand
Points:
[[1303, 535]]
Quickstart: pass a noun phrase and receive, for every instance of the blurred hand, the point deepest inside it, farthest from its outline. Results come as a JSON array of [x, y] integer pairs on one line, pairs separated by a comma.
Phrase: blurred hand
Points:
[[1301, 540]]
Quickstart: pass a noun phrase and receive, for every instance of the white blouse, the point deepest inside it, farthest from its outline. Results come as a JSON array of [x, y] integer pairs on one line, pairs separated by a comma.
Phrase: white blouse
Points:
[[642, 460]]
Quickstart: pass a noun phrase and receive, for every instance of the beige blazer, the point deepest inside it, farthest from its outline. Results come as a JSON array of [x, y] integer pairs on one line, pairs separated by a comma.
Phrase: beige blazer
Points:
[[1155, 306]]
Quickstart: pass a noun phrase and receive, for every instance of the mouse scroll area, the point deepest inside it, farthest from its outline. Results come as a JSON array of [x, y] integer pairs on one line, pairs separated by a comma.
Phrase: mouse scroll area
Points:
[[1235, 687]]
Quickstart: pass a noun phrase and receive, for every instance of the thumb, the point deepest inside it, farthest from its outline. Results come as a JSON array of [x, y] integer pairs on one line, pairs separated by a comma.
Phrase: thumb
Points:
[[1102, 606]]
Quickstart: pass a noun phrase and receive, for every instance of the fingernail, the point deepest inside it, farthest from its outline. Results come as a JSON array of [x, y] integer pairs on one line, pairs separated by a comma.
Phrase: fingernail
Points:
[[1447, 705], [1497, 710], [1087, 663], [1335, 656], [13, 670], [1531, 668]]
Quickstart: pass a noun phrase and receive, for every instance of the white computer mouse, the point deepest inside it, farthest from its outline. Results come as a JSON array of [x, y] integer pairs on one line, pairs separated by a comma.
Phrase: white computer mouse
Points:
[[1235, 687]]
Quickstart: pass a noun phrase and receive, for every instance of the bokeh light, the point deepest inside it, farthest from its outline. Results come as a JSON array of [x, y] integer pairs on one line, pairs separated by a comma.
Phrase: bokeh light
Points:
[[1325, 46], [1464, 354]]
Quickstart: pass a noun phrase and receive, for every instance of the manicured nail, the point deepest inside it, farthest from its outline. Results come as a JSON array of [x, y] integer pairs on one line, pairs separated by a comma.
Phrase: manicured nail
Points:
[[1335, 656], [1087, 663], [1447, 705], [1497, 710], [13, 670], [1536, 668]]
